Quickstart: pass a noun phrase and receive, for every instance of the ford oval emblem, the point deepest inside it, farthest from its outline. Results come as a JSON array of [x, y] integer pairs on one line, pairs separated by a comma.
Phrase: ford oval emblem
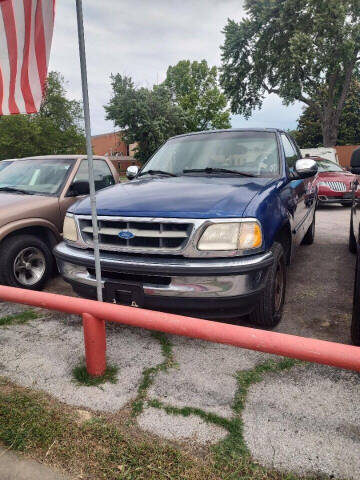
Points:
[[126, 235]]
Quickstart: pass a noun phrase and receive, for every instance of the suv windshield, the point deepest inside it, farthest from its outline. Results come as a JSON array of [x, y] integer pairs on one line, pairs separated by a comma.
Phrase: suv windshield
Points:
[[328, 166], [248, 152], [44, 177]]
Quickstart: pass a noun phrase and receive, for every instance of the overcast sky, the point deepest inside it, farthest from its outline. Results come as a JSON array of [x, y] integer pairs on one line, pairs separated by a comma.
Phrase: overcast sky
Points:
[[141, 39]]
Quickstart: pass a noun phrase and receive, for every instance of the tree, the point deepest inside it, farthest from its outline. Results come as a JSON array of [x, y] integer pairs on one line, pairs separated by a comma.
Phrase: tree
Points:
[[308, 133], [194, 87], [56, 129], [147, 117], [305, 50]]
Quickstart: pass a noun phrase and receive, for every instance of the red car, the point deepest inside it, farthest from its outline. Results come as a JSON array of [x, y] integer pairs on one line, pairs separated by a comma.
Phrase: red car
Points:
[[333, 182]]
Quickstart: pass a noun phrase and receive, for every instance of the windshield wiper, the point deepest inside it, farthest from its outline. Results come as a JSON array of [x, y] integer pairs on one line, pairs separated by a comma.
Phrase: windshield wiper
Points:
[[15, 190], [157, 172], [211, 170]]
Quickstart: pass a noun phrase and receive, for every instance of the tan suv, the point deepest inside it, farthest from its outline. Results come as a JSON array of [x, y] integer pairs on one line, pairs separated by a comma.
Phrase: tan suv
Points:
[[35, 193]]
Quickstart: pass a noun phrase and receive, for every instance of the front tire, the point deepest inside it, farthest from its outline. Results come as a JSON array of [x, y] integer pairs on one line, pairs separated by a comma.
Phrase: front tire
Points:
[[355, 322], [25, 262], [268, 311]]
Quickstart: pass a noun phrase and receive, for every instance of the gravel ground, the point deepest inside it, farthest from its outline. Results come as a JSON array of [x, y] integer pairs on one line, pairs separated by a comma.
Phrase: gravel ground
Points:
[[42, 354], [172, 427], [205, 376], [304, 419]]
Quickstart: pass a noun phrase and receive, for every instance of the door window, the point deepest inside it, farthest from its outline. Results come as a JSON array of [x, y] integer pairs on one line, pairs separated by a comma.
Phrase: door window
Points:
[[291, 155], [102, 174]]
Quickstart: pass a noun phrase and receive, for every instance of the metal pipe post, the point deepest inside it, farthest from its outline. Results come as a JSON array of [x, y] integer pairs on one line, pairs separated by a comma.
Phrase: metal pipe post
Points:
[[82, 52], [95, 344]]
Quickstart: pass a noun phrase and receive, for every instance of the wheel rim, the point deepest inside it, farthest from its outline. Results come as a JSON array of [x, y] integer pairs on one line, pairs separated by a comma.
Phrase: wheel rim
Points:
[[279, 287], [29, 266]]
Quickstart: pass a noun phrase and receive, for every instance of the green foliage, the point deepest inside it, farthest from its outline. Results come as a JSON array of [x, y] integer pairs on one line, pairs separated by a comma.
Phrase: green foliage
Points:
[[146, 116], [82, 377], [194, 87], [19, 318], [56, 129], [308, 133], [188, 100], [304, 50]]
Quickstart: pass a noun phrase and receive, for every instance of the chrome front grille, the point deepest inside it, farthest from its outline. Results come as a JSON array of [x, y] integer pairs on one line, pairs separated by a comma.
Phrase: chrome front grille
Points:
[[337, 186], [145, 235]]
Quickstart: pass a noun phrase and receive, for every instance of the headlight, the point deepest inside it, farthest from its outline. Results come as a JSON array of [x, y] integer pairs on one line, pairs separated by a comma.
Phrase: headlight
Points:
[[323, 184], [70, 229], [231, 236]]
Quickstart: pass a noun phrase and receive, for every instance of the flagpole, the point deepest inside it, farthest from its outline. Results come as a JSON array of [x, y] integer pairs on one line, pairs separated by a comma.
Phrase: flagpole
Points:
[[80, 22]]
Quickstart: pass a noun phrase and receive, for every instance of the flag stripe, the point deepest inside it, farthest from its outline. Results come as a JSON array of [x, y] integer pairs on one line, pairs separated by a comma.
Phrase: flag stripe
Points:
[[1, 92], [48, 23], [5, 67], [19, 18], [26, 29], [25, 83], [40, 48], [10, 31], [33, 68]]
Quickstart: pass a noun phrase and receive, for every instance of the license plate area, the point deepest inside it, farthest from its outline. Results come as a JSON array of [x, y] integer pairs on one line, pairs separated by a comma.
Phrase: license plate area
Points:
[[347, 195], [127, 294]]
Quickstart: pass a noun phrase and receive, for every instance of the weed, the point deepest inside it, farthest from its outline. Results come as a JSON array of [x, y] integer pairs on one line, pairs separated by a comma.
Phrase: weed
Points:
[[19, 318], [149, 374], [82, 377]]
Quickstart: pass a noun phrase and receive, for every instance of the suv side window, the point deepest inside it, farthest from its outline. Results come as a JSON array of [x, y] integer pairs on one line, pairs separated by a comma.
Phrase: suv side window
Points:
[[291, 154], [102, 174]]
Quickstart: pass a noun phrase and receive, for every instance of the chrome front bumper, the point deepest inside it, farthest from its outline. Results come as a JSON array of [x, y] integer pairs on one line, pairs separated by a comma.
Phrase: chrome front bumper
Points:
[[189, 278]]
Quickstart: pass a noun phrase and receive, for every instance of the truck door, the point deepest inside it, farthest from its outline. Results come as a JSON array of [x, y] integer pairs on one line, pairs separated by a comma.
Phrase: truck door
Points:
[[299, 207]]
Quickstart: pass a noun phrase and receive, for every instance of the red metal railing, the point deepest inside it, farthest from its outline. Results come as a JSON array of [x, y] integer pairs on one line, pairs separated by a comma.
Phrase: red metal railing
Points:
[[95, 314]]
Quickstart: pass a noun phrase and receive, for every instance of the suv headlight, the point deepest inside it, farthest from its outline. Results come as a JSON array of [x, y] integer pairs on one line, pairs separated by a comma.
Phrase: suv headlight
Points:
[[231, 236], [70, 231]]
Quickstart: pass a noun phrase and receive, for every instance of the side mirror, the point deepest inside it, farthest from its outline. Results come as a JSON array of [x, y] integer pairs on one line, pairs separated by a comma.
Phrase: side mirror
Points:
[[306, 167], [78, 189], [132, 171], [355, 162]]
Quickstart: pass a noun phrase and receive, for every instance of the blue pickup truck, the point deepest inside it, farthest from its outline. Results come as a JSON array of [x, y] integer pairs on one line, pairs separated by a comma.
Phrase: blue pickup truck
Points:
[[205, 228]]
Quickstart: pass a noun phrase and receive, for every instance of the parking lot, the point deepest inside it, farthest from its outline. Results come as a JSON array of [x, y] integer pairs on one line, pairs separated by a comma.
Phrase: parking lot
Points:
[[298, 417]]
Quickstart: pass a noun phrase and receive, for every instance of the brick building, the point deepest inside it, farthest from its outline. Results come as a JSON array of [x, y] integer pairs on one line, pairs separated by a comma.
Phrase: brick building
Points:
[[111, 145], [344, 154]]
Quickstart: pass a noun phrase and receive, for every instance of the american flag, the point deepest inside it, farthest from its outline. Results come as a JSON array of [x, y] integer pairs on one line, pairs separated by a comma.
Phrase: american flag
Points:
[[26, 29]]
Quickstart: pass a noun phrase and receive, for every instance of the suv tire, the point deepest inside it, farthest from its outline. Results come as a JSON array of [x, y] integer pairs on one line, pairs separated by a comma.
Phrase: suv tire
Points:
[[310, 234], [25, 262], [269, 309]]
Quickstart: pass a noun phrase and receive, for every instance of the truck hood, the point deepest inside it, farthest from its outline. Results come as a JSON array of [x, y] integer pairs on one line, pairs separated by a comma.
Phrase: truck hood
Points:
[[181, 197], [14, 206]]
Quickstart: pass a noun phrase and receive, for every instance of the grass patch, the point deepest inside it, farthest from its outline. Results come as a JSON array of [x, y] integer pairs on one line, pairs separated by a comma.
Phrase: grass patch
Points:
[[19, 318], [82, 377], [49, 431], [149, 374], [44, 429]]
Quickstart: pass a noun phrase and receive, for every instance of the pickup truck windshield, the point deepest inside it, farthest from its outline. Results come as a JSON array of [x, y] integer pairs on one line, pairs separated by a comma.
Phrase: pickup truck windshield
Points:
[[45, 177], [4, 164], [249, 152]]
